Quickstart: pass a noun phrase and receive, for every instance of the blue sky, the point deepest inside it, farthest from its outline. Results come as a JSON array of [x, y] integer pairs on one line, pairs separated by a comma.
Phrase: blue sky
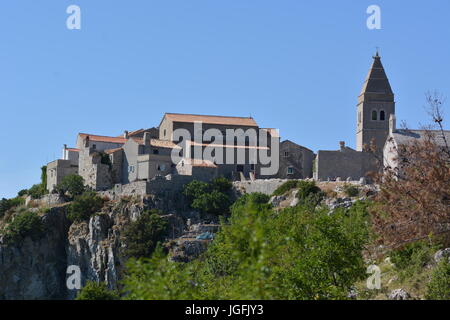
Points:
[[293, 65]]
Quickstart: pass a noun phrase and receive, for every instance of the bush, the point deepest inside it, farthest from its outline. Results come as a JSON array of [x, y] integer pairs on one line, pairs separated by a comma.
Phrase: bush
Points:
[[26, 224], [37, 191], [221, 184], [439, 286], [212, 198], [351, 191], [412, 258], [296, 253], [84, 206], [309, 193], [285, 187], [213, 202], [73, 184], [6, 204], [142, 235], [96, 291], [22, 193]]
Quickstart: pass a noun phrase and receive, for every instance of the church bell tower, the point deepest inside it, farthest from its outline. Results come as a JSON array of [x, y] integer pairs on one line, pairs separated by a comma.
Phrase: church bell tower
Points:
[[375, 106]]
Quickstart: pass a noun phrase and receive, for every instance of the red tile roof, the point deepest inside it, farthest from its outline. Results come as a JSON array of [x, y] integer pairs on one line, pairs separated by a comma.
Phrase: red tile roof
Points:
[[222, 120], [157, 143], [92, 137], [200, 163], [73, 149], [110, 151]]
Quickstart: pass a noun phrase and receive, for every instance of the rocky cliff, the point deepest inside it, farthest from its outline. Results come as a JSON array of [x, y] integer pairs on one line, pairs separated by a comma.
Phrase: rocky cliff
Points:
[[38, 269]]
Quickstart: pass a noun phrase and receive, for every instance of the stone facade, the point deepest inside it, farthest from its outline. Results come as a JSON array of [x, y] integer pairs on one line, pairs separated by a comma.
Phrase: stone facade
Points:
[[296, 162], [58, 169], [344, 164], [375, 106]]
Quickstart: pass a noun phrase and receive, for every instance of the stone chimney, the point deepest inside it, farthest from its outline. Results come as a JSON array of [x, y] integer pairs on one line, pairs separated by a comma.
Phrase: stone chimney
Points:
[[392, 123], [147, 138], [342, 145], [125, 134]]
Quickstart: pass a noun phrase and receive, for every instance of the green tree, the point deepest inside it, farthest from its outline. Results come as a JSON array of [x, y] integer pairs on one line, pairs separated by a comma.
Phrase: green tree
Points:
[[296, 253], [84, 206], [73, 184], [142, 235], [213, 198], [25, 224], [96, 291]]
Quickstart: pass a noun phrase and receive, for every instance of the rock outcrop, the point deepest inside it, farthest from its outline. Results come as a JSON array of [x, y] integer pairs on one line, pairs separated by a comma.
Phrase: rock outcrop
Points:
[[37, 269]]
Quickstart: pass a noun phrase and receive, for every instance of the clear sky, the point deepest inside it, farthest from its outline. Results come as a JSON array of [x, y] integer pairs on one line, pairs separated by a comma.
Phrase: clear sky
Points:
[[291, 64]]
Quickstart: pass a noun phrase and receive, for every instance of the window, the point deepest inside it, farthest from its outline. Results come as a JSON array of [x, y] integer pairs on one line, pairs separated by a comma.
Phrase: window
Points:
[[374, 115], [161, 167], [286, 154], [290, 170], [94, 146], [382, 115]]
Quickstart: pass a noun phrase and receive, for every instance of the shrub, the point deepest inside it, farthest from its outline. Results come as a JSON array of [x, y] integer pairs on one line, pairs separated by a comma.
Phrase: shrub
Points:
[[22, 193], [221, 184], [212, 198], [37, 191], [195, 189], [26, 224], [6, 204], [296, 253], [84, 206], [213, 202], [309, 193], [351, 191], [439, 286], [96, 291], [142, 235], [412, 258], [285, 187], [73, 184]]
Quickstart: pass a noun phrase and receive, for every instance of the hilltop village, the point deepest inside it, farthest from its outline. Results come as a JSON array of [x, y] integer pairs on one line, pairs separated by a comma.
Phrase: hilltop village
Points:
[[144, 159]]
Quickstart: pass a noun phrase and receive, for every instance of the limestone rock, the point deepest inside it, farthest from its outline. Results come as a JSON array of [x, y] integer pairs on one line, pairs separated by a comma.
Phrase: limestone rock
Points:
[[441, 254], [399, 294], [276, 200]]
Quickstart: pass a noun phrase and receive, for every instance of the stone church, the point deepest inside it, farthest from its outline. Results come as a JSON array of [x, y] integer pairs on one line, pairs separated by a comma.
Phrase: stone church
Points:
[[375, 106]]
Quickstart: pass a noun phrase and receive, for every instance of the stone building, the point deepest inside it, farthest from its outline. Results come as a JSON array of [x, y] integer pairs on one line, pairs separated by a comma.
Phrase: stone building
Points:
[[375, 106], [344, 164], [296, 162], [399, 138], [231, 137]]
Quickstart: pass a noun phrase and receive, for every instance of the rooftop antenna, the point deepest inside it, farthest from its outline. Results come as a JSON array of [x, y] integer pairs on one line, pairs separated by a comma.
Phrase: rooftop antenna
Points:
[[377, 51]]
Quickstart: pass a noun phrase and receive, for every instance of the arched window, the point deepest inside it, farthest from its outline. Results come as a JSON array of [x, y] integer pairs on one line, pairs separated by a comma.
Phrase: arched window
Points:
[[374, 115], [382, 115]]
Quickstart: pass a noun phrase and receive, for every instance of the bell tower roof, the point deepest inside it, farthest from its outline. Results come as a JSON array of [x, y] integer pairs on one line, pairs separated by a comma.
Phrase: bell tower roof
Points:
[[376, 80]]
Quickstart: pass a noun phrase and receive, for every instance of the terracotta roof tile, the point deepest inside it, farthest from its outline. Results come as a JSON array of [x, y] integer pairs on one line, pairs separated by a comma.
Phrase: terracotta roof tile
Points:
[[110, 151], [200, 163], [157, 143], [93, 137]]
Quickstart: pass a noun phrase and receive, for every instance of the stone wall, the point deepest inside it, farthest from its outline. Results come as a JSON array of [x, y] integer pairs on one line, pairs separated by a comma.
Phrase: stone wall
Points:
[[263, 186], [344, 164]]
